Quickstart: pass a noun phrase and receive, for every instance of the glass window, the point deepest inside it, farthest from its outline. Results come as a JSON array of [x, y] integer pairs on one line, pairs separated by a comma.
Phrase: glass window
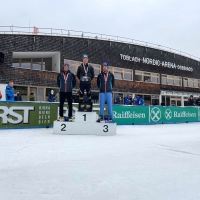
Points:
[[118, 98], [185, 82], [147, 78], [138, 78], [37, 63], [164, 80], [155, 80], [128, 76], [97, 69], [16, 62], [170, 80], [190, 83], [47, 64], [138, 72], [118, 75], [26, 63], [40, 94], [196, 84]]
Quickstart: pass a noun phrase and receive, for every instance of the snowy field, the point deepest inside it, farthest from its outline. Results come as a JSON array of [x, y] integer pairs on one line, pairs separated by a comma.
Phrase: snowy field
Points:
[[152, 162]]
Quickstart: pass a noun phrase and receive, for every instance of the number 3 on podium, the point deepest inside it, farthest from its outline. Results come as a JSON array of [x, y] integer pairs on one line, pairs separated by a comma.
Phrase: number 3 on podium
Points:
[[105, 128]]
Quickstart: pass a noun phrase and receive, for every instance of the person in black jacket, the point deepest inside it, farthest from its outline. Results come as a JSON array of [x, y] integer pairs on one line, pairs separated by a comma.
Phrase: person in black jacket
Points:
[[85, 74], [191, 101], [198, 101], [18, 97], [66, 81], [105, 82]]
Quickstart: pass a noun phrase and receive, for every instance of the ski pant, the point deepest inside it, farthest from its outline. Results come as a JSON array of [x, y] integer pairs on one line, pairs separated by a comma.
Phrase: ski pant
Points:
[[87, 87], [106, 97], [63, 96]]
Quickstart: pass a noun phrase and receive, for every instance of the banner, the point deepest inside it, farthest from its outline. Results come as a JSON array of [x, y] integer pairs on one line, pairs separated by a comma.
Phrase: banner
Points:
[[42, 114]]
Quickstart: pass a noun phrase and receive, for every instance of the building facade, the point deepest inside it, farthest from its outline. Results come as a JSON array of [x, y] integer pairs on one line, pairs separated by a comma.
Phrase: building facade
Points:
[[34, 61]]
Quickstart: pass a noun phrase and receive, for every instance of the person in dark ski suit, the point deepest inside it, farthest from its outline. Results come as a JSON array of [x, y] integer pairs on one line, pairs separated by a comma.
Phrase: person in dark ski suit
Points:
[[85, 74], [191, 101], [198, 101], [105, 83], [66, 81]]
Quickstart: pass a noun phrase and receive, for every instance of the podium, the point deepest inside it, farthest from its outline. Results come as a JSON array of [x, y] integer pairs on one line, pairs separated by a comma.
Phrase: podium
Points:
[[84, 124]]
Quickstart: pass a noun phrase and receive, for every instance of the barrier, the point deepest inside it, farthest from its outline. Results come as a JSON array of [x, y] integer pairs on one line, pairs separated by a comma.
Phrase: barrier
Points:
[[43, 114]]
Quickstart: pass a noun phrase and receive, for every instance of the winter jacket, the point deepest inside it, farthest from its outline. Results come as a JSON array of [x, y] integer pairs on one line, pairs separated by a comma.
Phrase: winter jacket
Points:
[[66, 81], [18, 97], [198, 102], [191, 102], [89, 71], [108, 85], [51, 97], [139, 101], [9, 93], [31, 97]]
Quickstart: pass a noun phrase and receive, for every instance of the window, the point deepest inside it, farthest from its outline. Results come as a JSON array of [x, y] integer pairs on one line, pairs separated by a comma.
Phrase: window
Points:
[[171, 80], [190, 82], [37, 63], [97, 69], [138, 76], [75, 64], [128, 74], [26, 63], [177, 81], [33, 63], [16, 62], [118, 73], [47, 64], [147, 77]]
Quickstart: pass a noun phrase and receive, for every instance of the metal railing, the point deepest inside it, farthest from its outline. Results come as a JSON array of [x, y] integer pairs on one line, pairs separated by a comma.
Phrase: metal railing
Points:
[[71, 33]]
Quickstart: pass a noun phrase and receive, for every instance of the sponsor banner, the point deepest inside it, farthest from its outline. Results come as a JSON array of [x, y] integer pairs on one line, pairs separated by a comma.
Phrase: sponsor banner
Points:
[[38, 114], [131, 114], [180, 114], [155, 114]]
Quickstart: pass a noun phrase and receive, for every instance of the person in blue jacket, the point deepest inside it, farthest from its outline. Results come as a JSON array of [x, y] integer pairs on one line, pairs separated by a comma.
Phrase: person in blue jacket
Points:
[[10, 95], [139, 101], [105, 83]]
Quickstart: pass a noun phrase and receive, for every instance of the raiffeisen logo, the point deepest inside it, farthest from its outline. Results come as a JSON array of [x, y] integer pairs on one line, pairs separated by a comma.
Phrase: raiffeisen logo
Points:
[[128, 114], [184, 114]]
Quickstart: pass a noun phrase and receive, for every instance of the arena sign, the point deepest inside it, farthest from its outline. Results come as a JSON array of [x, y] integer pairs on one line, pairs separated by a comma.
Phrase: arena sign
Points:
[[151, 61]]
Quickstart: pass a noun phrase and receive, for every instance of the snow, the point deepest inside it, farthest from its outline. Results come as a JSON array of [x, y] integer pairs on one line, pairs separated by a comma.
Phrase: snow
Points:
[[150, 162]]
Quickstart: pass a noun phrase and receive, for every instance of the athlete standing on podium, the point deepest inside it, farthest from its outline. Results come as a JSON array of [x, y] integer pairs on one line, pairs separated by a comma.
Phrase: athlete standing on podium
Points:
[[105, 83], [66, 81], [85, 74]]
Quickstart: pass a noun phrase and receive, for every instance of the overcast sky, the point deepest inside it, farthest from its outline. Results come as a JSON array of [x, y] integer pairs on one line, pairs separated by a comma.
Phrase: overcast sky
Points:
[[171, 23]]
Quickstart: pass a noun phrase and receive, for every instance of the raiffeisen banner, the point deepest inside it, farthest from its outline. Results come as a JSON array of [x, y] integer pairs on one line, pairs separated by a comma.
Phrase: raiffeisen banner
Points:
[[42, 114]]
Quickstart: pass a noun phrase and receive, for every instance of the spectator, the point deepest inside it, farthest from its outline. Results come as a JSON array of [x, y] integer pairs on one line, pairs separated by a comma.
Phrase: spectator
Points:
[[139, 101], [18, 96], [198, 101], [0, 95], [51, 96], [32, 96], [10, 91], [191, 101]]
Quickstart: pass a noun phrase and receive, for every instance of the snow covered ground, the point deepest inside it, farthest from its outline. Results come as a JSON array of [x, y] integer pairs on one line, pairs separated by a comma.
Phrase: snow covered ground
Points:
[[152, 162]]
